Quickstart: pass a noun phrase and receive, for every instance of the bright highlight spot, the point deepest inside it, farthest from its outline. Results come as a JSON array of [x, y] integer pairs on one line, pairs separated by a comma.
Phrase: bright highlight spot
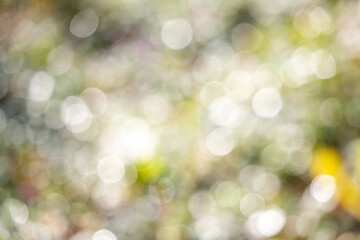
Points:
[[266, 223], [220, 142], [75, 114], [211, 91], [18, 211], [271, 222], [41, 87], [296, 71], [131, 140], [323, 64], [240, 85], [323, 188], [104, 234], [224, 111], [111, 169], [96, 101], [84, 24], [251, 203], [177, 33], [267, 103]]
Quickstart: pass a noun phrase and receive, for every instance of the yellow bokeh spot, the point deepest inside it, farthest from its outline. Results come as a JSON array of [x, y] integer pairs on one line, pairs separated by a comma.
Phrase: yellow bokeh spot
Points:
[[327, 160], [150, 169]]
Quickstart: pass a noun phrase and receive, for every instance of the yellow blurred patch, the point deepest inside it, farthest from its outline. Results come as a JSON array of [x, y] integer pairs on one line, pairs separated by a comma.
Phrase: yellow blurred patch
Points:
[[150, 169], [327, 160]]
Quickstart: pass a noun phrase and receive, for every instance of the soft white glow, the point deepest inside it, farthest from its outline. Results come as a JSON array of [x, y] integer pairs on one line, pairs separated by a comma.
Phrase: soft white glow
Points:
[[75, 114], [130, 140], [227, 194], [84, 24], [210, 228], [177, 33], [42, 231], [300, 59], [295, 72], [240, 84], [41, 87], [266, 223], [271, 222], [267, 76], [299, 159], [250, 203], [104, 234], [139, 139], [96, 101], [220, 142], [267, 103], [211, 91], [323, 64], [18, 211], [312, 22], [111, 169], [320, 20], [107, 196], [224, 111], [253, 177], [323, 188], [207, 68]]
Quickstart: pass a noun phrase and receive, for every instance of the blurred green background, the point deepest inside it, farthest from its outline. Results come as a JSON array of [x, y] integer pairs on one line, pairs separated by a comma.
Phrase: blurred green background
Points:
[[176, 120]]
